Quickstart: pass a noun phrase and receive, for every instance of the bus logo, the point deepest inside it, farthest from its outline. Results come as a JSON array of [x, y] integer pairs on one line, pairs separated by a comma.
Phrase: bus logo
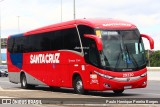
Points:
[[44, 58], [117, 24]]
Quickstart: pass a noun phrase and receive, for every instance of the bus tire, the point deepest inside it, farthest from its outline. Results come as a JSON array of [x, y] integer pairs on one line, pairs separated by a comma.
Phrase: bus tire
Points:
[[78, 85], [24, 83], [118, 91]]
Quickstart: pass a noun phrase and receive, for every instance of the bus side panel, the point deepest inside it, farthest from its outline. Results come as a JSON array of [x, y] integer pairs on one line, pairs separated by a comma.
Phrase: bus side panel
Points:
[[91, 81], [74, 64], [35, 72], [48, 73], [14, 77], [11, 66], [14, 67], [53, 74], [70, 62], [63, 75]]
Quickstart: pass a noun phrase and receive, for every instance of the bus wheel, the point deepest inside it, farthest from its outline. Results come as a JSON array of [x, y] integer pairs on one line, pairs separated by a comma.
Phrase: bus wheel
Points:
[[24, 84], [78, 85], [118, 91]]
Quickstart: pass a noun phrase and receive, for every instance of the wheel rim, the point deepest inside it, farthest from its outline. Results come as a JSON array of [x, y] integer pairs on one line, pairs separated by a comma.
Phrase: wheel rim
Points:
[[79, 86]]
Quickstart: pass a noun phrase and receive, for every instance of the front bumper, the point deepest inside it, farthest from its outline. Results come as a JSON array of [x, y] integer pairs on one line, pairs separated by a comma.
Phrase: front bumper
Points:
[[115, 84]]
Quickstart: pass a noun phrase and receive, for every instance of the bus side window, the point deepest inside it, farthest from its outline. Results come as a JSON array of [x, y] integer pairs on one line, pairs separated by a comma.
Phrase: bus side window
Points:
[[85, 41], [45, 43], [20, 44], [56, 40], [71, 39], [10, 45], [93, 53]]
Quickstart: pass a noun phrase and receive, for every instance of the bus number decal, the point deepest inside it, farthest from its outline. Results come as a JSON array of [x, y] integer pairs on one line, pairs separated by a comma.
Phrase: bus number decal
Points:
[[128, 75], [44, 58]]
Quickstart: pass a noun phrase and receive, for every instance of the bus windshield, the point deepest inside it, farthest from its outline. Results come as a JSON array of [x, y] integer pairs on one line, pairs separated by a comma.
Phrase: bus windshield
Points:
[[123, 50]]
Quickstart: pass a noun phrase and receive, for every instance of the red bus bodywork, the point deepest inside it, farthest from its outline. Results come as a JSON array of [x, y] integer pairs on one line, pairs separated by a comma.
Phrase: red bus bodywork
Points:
[[61, 70]]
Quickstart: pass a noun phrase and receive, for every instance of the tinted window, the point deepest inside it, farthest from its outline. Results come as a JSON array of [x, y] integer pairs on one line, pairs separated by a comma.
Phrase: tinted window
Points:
[[71, 39], [89, 50], [93, 53], [34, 43], [49, 41], [85, 30], [56, 40], [15, 45], [19, 43], [10, 44]]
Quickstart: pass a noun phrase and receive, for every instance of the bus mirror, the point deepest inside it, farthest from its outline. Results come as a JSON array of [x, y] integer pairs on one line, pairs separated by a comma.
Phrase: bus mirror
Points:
[[96, 39], [151, 41]]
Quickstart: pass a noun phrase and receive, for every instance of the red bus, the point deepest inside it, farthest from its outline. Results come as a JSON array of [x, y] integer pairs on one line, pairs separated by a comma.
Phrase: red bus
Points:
[[84, 54]]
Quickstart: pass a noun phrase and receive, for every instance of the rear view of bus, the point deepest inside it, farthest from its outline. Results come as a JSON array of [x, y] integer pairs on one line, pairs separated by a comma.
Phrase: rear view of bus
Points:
[[84, 54]]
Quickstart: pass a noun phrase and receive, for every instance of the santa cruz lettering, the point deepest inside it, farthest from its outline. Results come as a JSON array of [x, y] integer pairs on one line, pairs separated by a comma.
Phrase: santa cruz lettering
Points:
[[44, 58]]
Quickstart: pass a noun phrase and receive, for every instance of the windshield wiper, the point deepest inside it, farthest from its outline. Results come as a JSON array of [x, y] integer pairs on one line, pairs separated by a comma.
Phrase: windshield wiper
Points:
[[118, 60], [139, 41], [129, 54], [105, 59]]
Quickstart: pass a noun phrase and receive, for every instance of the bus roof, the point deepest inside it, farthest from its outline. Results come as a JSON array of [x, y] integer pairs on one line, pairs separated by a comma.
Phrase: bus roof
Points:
[[109, 24]]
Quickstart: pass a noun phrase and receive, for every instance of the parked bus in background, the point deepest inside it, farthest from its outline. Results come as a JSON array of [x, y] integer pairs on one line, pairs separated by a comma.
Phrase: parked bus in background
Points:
[[84, 54]]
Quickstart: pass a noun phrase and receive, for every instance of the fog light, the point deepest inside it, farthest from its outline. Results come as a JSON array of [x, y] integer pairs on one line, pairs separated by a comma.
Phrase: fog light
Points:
[[144, 83], [107, 85]]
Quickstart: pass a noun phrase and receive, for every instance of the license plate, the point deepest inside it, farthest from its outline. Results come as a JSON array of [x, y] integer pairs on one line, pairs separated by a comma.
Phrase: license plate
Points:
[[127, 87]]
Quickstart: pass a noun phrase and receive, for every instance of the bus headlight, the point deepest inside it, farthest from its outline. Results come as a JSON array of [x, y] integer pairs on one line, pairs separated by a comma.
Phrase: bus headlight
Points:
[[103, 75], [144, 74]]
